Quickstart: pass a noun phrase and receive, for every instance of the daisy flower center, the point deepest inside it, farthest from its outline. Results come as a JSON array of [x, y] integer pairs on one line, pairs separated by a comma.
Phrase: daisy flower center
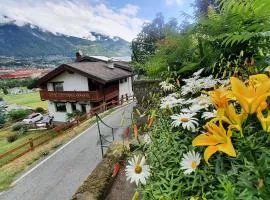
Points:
[[194, 164], [138, 169], [184, 119]]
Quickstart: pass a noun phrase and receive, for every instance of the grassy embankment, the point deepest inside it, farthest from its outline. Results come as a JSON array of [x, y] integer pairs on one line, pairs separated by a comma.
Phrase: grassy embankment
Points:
[[31, 100]]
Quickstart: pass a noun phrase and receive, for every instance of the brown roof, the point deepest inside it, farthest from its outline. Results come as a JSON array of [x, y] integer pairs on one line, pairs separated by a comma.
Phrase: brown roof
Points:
[[120, 64], [95, 70]]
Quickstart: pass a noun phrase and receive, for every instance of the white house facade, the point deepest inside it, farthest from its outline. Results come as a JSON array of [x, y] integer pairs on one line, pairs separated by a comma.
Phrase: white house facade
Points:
[[83, 85]]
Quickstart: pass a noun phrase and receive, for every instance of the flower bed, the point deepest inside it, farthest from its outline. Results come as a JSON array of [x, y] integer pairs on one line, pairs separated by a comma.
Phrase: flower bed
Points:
[[209, 140]]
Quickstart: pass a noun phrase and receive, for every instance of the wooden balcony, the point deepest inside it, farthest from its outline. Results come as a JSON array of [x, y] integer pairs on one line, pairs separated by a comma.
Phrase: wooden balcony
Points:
[[94, 96]]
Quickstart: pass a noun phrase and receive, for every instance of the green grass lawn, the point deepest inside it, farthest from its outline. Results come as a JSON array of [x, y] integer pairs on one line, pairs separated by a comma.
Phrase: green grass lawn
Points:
[[5, 145], [31, 100]]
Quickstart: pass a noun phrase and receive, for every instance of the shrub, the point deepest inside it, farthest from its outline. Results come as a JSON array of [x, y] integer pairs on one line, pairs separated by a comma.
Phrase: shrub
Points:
[[76, 113], [5, 91], [11, 138], [2, 117], [23, 130], [40, 110], [18, 114], [19, 125]]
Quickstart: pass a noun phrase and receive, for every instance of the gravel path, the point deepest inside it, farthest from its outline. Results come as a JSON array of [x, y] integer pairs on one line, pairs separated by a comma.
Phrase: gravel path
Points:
[[58, 176]]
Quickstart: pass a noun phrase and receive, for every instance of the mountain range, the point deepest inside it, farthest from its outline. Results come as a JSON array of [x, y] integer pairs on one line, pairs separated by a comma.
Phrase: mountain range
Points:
[[32, 41]]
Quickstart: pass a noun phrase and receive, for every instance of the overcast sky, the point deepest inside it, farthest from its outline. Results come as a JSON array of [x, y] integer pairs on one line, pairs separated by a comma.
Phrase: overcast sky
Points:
[[123, 18]]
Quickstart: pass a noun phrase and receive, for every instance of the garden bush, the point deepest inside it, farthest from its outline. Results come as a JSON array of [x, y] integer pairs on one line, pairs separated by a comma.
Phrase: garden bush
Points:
[[19, 125], [18, 114], [74, 114], [2, 117], [5, 91], [22, 131], [12, 137], [40, 110]]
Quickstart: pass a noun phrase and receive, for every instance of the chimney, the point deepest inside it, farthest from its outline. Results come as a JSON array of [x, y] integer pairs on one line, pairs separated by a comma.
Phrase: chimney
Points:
[[78, 56], [110, 63]]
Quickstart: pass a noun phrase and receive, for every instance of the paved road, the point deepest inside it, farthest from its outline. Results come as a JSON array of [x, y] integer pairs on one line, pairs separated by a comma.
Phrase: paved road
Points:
[[59, 176]]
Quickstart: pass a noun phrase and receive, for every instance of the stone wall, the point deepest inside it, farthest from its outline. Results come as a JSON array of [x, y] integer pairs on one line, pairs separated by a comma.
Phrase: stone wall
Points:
[[98, 184]]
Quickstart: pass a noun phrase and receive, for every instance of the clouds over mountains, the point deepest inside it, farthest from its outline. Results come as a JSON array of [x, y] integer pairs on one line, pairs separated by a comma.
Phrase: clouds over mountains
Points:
[[74, 17]]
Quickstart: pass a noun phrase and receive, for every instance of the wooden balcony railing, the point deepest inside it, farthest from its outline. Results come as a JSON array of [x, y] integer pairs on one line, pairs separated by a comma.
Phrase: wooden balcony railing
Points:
[[94, 96]]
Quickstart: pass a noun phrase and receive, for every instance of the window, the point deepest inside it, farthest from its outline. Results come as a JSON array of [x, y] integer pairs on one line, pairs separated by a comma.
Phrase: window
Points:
[[60, 107], [73, 107], [83, 108], [58, 86], [123, 80]]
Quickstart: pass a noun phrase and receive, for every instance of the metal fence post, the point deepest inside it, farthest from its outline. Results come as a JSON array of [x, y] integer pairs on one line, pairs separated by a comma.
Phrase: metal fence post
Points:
[[100, 138], [112, 134]]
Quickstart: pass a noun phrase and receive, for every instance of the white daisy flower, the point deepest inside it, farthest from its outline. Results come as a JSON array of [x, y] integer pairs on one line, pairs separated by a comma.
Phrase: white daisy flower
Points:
[[203, 101], [147, 139], [137, 171], [170, 102], [194, 108], [166, 86], [186, 120], [190, 162], [190, 80], [224, 82], [208, 82], [209, 115], [193, 85], [197, 73], [175, 95]]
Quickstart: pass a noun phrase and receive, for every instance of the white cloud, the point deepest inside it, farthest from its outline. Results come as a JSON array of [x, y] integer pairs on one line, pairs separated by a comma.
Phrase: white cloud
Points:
[[75, 18], [129, 9], [173, 2]]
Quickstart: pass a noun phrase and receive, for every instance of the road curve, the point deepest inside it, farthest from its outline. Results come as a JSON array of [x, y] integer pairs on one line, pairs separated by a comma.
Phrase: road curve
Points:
[[58, 176]]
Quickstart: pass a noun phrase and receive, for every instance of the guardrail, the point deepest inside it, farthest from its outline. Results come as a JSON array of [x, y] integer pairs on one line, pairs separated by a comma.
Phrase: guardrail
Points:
[[45, 137]]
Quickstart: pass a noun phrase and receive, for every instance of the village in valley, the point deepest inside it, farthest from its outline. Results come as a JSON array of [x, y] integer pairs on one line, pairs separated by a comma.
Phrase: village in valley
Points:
[[134, 100]]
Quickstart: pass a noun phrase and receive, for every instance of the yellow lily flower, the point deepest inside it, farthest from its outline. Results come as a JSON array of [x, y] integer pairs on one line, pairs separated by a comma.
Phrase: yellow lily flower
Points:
[[262, 106], [220, 97], [258, 79], [250, 97], [230, 116], [217, 139], [265, 121]]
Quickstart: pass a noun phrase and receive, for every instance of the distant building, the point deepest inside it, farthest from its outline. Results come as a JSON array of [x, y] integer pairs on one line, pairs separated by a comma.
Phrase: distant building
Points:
[[84, 84]]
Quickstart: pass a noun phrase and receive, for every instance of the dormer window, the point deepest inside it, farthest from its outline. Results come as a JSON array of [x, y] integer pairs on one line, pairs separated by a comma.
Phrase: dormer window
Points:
[[58, 86]]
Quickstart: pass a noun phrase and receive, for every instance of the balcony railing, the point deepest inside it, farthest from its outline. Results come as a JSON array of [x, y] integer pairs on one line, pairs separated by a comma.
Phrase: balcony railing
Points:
[[94, 96]]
